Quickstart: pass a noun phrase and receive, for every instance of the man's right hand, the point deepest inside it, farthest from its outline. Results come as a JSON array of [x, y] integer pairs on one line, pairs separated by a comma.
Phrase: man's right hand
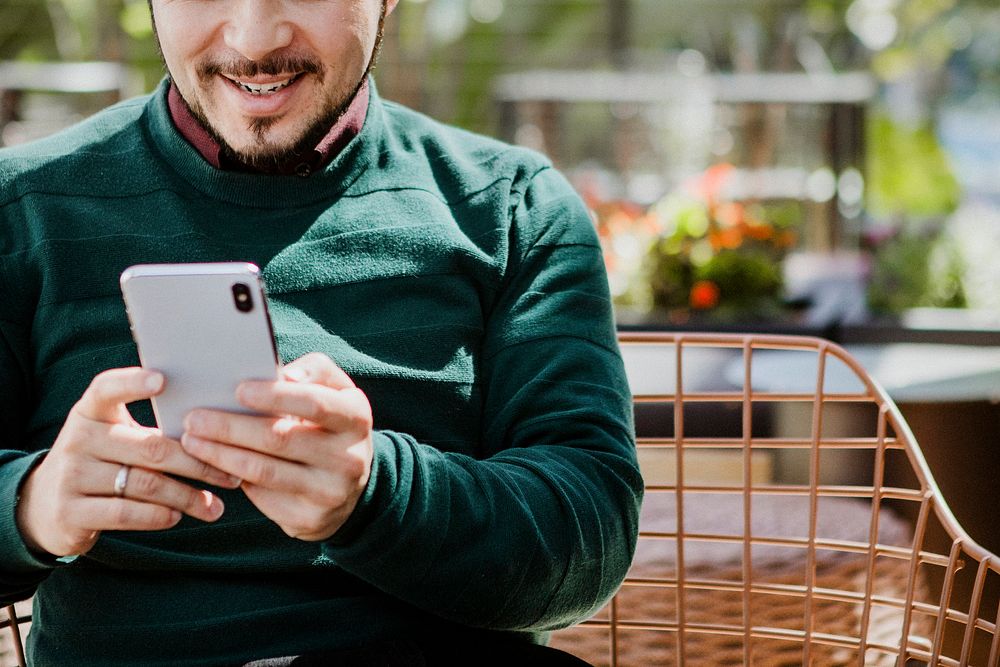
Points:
[[71, 497]]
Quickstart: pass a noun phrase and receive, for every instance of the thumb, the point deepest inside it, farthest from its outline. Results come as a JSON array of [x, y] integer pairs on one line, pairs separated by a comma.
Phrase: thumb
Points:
[[109, 391]]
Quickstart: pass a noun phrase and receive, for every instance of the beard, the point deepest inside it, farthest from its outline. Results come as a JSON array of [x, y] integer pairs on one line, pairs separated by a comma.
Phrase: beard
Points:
[[264, 155]]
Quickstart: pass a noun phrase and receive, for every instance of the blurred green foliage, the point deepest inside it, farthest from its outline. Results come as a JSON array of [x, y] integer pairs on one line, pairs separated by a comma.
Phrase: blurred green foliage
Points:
[[80, 30], [442, 56], [909, 177], [456, 48], [25, 30], [914, 269]]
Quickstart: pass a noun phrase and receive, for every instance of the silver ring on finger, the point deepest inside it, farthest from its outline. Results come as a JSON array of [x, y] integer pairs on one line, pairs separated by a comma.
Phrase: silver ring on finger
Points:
[[121, 480]]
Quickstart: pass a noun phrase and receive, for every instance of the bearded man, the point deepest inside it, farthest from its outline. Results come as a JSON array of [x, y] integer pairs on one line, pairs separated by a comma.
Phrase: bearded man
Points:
[[445, 469]]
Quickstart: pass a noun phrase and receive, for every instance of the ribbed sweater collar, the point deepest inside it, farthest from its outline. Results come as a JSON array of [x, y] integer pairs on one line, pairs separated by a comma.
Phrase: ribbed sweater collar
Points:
[[263, 190]]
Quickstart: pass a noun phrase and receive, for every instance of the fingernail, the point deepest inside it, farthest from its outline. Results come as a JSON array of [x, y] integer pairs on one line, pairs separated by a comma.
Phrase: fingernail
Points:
[[213, 505], [296, 373], [175, 516], [234, 481], [154, 382]]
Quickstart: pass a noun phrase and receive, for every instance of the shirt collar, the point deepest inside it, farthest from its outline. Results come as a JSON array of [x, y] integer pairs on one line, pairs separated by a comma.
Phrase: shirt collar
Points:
[[346, 128]]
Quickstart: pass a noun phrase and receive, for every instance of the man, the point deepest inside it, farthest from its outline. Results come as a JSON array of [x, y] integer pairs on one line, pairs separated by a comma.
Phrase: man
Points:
[[446, 466]]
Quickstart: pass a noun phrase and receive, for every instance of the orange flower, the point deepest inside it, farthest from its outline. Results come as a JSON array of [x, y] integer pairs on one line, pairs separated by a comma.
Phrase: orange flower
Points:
[[787, 239], [729, 238], [704, 295], [729, 214], [760, 231]]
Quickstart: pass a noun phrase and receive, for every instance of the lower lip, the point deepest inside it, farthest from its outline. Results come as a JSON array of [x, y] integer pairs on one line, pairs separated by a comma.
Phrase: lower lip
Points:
[[269, 104]]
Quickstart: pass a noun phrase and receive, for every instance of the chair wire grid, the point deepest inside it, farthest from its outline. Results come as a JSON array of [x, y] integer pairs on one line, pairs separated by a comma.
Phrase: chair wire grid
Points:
[[852, 580]]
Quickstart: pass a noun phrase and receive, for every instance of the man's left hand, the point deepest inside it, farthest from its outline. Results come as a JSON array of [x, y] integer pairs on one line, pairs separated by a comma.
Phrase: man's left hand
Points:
[[304, 464]]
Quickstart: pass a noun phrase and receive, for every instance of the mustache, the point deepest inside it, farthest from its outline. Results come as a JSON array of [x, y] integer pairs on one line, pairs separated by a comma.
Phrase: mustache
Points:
[[272, 65]]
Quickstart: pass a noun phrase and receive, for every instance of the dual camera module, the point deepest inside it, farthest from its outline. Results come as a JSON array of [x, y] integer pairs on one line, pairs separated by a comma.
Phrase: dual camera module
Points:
[[242, 297]]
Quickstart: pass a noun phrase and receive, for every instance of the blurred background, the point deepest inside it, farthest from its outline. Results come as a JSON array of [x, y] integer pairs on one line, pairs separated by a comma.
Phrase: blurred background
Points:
[[807, 166], [817, 165]]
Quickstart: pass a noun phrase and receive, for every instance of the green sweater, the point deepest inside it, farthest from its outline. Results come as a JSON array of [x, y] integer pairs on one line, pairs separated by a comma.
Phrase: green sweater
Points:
[[458, 280]]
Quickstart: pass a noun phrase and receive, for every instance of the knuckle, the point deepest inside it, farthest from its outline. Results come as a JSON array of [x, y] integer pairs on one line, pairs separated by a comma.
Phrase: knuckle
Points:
[[292, 531], [161, 517], [99, 388], [79, 540], [318, 409], [360, 407], [101, 380], [355, 468], [220, 428], [306, 523], [145, 484], [204, 471], [72, 444], [260, 472], [332, 498], [208, 425], [155, 450], [121, 515], [359, 421], [72, 468], [280, 435], [64, 511], [317, 359]]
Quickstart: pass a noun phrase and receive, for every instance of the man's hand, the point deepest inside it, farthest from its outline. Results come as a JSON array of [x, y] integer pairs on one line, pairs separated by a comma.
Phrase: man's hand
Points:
[[307, 462], [76, 491]]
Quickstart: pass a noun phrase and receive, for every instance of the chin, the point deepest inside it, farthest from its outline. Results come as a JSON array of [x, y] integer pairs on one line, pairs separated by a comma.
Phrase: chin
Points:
[[250, 145]]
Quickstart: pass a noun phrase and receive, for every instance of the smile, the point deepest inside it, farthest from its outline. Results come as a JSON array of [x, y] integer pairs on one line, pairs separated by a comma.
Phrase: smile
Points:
[[264, 88]]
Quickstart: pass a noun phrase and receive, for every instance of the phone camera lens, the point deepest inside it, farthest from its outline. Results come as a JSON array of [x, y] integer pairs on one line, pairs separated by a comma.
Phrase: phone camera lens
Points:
[[242, 298]]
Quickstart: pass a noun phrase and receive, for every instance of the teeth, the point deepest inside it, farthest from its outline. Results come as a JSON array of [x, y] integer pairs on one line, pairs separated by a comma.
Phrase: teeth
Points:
[[263, 89]]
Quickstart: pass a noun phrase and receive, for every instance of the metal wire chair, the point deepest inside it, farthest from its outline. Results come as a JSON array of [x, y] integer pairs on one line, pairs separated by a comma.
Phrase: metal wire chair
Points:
[[12, 622], [789, 519]]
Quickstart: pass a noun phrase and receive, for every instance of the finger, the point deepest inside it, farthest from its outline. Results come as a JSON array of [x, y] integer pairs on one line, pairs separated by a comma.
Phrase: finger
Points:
[[110, 390], [319, 368], [102, 514], [337, 410], [148, 448], [155, 488], [279, 507], [250, 466], [281, 437], [287, 511]]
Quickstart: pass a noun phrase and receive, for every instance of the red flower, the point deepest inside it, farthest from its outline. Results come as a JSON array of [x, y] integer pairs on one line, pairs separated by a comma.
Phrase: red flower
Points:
[[704, 295]]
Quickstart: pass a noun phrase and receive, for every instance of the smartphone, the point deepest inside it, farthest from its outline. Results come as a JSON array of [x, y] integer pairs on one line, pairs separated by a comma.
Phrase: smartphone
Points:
[[206, 328]]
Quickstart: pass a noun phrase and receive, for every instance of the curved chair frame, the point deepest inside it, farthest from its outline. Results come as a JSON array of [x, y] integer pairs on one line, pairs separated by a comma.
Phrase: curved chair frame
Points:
[[936, 617]]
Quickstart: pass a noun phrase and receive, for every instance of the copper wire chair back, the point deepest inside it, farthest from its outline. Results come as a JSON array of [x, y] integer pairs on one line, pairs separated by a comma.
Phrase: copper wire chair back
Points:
[[789, 519], [13, 624]]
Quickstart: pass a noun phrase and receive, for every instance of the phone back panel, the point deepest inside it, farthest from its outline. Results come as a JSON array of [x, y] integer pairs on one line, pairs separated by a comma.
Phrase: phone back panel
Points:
[[186, 324]]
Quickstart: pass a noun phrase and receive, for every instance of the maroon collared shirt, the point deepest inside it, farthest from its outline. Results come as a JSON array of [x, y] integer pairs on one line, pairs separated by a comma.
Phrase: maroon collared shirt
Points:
[[346, 128]]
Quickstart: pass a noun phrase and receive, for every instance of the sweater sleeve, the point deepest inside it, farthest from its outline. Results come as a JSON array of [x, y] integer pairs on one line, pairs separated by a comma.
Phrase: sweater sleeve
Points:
[[20, 570], [539, 532]]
